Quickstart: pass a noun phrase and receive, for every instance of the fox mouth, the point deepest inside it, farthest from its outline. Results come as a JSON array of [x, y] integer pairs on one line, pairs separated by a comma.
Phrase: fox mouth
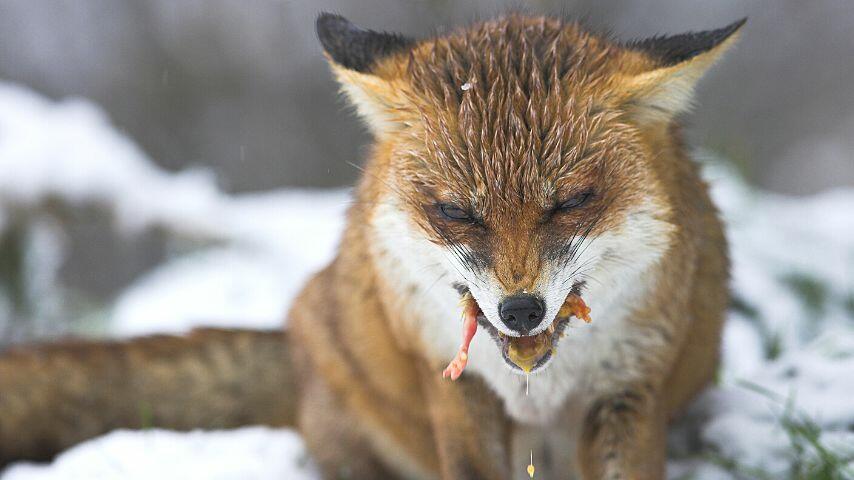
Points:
[[527, 353]]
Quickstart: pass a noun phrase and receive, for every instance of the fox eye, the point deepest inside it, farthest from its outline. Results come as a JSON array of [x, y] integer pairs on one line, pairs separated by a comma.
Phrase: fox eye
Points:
[[454, 213], [575, 201]]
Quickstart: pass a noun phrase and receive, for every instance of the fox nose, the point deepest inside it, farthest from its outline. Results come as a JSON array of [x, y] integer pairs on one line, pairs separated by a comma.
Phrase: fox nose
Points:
[[521, 313]]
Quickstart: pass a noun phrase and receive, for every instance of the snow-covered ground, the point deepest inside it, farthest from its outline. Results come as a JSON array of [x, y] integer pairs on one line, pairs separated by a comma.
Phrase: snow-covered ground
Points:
[[786, 388]]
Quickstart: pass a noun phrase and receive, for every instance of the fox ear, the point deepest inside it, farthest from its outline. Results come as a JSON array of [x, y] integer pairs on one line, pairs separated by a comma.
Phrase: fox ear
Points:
[[355, 48], [666, 89], [356, 56]]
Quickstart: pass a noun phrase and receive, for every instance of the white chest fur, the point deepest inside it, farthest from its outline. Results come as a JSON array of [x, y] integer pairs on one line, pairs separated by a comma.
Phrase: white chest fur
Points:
[[590, 359]]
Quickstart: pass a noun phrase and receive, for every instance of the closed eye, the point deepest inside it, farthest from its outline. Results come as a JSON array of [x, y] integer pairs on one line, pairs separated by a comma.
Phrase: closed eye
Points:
[[574, 202], [453, 212]]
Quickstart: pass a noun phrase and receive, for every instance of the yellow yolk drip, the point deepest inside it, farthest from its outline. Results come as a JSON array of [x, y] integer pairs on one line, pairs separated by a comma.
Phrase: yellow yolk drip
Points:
[[531, 466], [525, 352]]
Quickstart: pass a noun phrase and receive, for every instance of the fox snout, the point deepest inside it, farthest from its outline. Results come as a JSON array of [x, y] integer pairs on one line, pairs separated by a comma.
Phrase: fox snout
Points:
[[521, 312]]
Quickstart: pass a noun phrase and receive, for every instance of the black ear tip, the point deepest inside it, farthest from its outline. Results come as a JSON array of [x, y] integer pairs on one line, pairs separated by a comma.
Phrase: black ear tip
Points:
[[330, 26], [671, 50], [353, 47], [733, 27], [324, 17]]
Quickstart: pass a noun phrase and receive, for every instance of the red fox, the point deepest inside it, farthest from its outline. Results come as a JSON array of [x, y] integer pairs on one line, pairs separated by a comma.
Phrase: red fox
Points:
[[517, 163]]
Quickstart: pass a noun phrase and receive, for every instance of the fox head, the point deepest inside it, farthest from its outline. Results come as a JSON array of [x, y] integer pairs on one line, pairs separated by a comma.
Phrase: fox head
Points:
[[521, 159]]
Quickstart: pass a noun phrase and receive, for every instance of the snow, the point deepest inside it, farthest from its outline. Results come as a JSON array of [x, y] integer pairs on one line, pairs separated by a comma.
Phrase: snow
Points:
[[68, 150], [251, 279], [789, 346], [256, 453]]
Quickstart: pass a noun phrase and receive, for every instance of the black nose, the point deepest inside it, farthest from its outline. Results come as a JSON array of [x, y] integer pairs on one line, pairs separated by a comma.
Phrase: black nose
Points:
[[521, 313]]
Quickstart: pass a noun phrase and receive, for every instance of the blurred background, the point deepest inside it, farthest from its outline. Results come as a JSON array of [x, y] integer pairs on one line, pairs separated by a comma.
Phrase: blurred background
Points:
[[170, 163], [240, 86]]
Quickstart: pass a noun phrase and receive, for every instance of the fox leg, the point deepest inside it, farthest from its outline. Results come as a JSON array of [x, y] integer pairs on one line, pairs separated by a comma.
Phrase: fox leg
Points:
[[623, 438], [473, 434], [340, 450]]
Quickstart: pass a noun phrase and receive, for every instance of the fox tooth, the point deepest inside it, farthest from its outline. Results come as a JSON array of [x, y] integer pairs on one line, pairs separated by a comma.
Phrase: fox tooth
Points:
[[551, 329]]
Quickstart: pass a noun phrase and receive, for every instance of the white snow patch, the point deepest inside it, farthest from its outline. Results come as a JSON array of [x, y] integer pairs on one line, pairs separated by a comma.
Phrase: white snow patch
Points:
[[251, 453], [273, 242], [69, 151]]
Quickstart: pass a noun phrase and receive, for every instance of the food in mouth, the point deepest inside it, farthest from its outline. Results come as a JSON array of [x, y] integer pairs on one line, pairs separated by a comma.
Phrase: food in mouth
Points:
[[529, 351], [470, 312], [575, 306], [523, 352]]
